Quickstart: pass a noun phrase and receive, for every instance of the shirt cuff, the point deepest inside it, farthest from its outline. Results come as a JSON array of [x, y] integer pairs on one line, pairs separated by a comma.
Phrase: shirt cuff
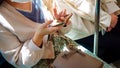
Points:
[[33, 46], [112, 7]]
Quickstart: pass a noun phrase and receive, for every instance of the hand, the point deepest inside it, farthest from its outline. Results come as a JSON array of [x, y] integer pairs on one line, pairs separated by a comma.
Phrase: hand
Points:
[[62, 16], [114, 19], [42, 30]]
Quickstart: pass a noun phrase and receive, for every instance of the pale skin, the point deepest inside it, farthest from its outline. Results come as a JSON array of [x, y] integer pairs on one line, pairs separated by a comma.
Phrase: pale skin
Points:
[[43, 29], [114, 19]]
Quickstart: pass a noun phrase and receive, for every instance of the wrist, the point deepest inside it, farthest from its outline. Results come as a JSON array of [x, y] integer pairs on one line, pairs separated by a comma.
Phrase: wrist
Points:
[[38, 40]]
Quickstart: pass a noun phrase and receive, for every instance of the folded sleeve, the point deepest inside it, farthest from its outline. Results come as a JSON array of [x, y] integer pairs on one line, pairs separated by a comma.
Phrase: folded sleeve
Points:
[[112, 7]]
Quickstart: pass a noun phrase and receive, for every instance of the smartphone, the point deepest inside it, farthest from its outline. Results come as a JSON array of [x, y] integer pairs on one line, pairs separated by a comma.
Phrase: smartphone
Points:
[[56, 23]]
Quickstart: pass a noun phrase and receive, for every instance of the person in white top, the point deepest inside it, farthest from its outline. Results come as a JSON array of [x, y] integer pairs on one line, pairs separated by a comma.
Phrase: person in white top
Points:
[[23, 39], [83, 20]]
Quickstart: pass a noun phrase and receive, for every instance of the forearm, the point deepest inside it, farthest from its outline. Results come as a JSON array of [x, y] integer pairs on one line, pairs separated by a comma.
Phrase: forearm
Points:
[[37, 39]]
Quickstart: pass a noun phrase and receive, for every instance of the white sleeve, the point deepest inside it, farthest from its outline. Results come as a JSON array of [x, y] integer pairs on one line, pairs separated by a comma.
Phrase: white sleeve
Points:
[[112, 7], [86, 10], [89, 14], [24, 56], [15, 34], [31, 53]]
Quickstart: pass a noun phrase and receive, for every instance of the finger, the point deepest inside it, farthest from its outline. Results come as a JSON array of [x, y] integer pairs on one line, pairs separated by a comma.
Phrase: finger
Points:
[[62, 18], [63, 13], [55, 11], [60, 14], [54, 29], [68, 17], [109, 29], [56, 15], [47, 23]]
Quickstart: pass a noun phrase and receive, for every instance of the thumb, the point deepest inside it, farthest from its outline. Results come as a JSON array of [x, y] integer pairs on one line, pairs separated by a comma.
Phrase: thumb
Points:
[[47, 23]]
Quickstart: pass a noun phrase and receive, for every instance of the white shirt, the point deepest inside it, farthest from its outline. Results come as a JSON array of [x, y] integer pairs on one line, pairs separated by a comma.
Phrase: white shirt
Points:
[[83, 18]]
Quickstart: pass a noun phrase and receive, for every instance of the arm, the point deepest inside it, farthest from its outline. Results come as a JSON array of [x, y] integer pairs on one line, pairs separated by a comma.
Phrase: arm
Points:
[[113, 10], [86, 9], [17, 34], [52, 8], [15, 43], [19, 52]]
